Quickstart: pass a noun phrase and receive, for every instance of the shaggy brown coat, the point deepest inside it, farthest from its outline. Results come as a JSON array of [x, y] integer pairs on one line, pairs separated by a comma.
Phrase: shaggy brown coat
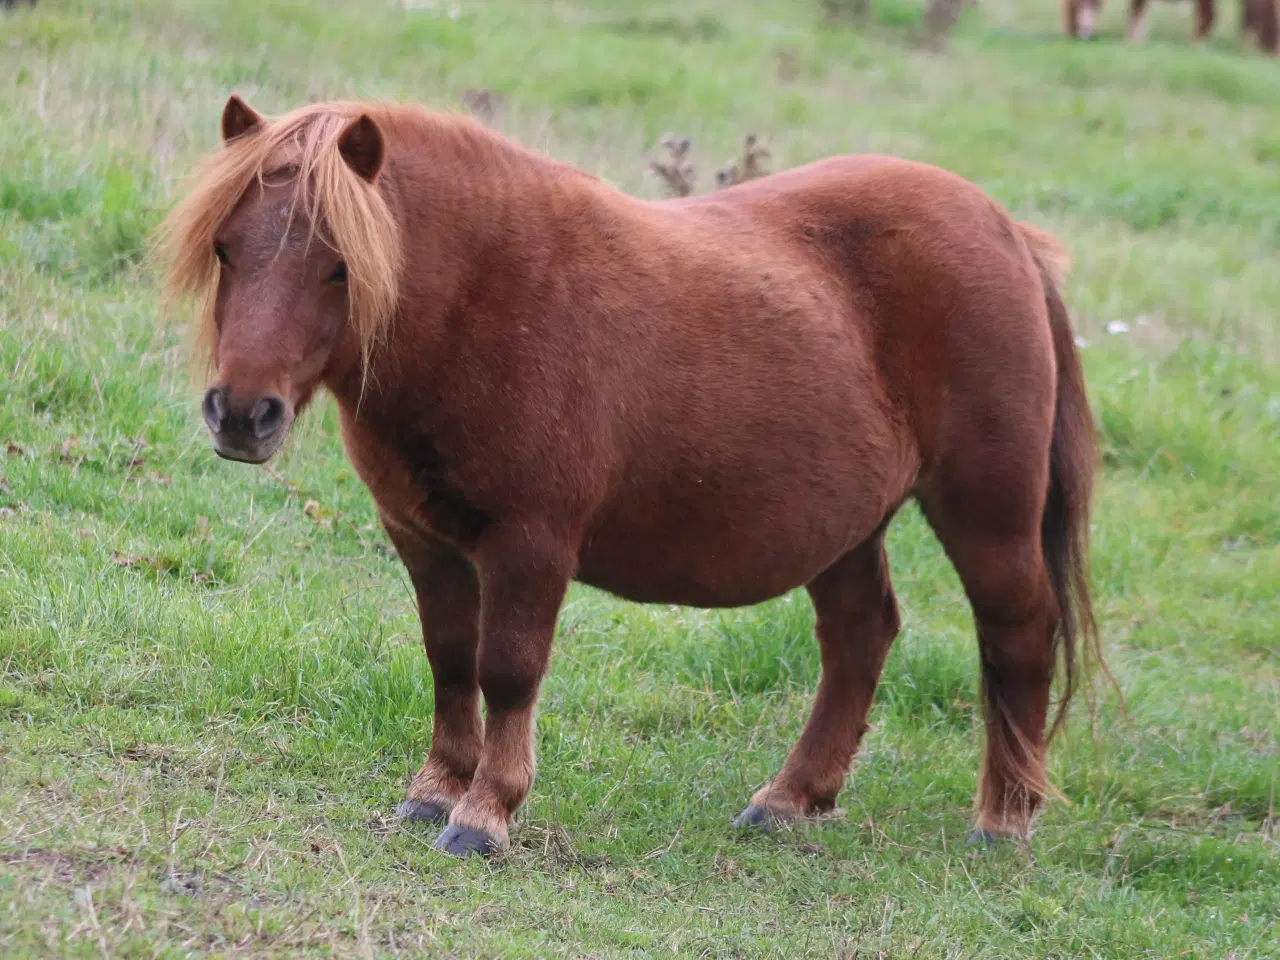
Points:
[[707, 401]]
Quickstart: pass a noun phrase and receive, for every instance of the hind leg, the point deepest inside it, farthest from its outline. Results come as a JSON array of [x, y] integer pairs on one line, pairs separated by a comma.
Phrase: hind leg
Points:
[[1086, 13], [1266, 24], [1205, 14], [1137, 31], [1070, 21], [1248, 18], [857, 619], [988, 516]]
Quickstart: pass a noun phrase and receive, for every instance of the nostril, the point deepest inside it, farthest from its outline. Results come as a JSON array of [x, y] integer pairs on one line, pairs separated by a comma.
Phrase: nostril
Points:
[[267, 415], [215, 409]]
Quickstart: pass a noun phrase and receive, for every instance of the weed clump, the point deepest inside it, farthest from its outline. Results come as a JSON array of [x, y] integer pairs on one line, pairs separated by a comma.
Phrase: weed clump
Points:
[[679, 175], [484, 104], [677, 171], [751, 164], [843, 11]]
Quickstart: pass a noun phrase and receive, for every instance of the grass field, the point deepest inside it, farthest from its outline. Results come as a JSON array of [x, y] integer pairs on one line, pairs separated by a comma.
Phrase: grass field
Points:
[[212, 688]]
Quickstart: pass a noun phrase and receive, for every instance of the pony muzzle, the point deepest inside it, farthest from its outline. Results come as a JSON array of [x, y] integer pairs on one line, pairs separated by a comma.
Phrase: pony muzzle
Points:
[[248, 429]]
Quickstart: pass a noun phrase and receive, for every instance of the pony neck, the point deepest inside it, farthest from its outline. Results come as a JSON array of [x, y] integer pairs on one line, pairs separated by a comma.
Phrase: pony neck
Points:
[[479, 215]]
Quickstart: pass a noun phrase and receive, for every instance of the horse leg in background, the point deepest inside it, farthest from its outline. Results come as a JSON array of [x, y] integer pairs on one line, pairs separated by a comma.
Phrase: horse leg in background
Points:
[[1263, 17], [449, 607], [857, 619], [1205, 15], [1070, 19], [987, 515], [1079, 18], [1137, 32], [523, 574]]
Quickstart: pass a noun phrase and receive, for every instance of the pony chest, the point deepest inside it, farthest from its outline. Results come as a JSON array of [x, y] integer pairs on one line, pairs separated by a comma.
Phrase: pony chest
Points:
[[411, 483]]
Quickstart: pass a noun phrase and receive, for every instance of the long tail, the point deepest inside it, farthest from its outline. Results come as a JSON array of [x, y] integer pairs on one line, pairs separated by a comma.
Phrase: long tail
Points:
[[1073, 460]]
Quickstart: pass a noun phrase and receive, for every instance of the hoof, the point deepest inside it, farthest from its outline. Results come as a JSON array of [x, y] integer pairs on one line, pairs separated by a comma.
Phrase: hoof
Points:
[[420, 811], [985, 838], [757, 818], [465, 842]]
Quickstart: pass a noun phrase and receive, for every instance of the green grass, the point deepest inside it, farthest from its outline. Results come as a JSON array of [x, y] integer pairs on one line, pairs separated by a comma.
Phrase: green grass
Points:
[[211, 684]]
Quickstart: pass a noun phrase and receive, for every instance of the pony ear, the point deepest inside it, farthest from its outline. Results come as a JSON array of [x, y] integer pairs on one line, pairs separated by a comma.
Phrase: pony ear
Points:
[[238, 118], [362, 146]]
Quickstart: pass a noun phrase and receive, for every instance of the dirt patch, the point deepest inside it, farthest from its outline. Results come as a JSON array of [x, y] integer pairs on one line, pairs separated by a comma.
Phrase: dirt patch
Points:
[[66, 868]]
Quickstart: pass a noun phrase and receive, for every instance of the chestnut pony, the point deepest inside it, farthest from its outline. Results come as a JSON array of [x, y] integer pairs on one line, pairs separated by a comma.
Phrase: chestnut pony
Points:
[[708, 401]]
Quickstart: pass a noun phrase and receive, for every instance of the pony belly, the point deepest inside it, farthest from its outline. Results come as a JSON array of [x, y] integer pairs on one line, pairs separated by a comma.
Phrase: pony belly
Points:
[[718, 561], [688, 588], [752, 525]]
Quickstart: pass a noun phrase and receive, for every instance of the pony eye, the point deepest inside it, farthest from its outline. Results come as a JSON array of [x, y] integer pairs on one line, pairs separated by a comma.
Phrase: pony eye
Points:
[[339, 274], [220, 252]]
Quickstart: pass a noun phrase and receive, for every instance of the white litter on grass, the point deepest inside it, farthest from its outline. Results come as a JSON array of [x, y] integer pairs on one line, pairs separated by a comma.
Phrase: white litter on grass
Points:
[[454, 12], [1081, 343], [1117, 327]]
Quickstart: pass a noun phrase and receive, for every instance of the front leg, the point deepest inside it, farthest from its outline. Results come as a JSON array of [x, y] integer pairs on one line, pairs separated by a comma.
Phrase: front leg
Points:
[[1070, 17], [524, 573], [449, 606], [1205, 13], [1137, 32]]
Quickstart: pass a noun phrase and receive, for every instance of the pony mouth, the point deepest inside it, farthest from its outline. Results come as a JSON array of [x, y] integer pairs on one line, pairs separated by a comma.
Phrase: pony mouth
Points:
[[255, 454], [236, 456]]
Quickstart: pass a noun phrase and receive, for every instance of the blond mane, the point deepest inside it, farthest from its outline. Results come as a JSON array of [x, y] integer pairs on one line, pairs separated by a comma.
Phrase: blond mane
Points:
[[355, 216]]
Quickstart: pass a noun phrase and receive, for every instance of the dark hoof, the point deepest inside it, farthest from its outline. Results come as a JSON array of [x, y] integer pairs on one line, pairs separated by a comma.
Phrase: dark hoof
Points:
[[985, 838], [420, 811], [465, 842], [756, 818]]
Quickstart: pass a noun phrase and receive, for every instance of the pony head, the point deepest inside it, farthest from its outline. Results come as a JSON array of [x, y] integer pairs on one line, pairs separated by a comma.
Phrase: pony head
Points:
[[286, 242]]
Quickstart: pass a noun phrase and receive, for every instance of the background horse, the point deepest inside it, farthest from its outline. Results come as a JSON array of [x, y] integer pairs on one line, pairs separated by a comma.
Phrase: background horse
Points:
[[1258, 17], [1262, 19], [1136, 31], [709, 401]]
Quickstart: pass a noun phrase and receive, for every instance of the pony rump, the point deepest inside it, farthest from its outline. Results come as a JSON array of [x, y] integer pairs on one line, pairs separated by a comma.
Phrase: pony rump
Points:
[[346, 211]]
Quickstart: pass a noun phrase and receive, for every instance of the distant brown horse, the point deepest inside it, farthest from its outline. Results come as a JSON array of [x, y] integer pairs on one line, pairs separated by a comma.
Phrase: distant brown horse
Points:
[[707, 401], [1137, 29], [1262, 19], [1259, 17], [1080, 17]]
